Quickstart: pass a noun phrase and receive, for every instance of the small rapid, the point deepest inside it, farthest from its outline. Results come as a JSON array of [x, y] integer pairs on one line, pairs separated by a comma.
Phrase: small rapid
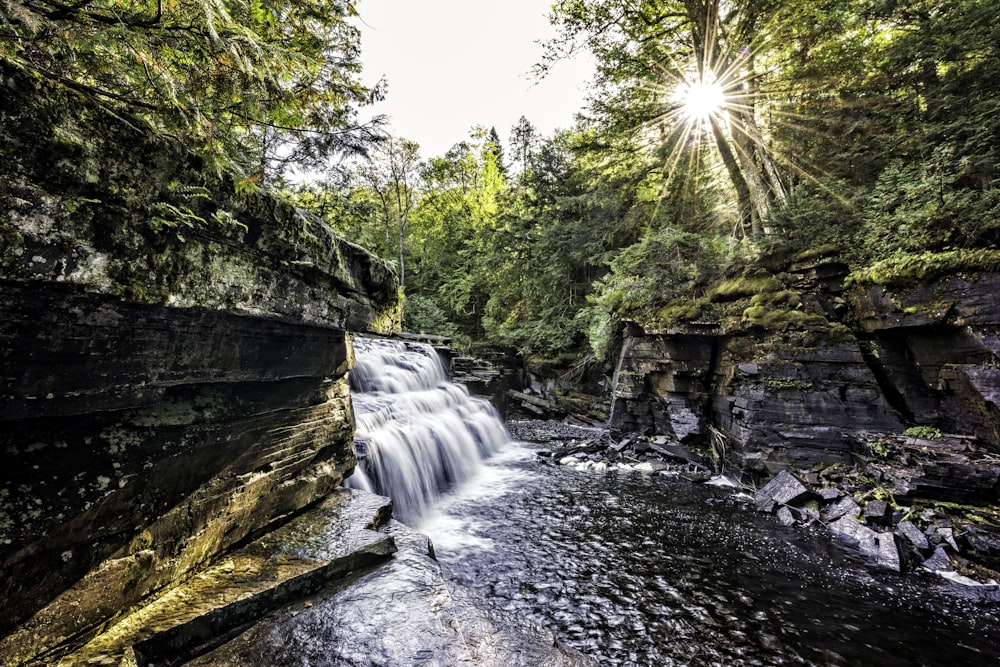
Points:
[[417, 434], [634, 569]]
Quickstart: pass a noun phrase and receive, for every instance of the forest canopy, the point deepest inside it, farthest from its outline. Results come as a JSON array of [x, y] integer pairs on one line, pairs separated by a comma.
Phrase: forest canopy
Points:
[[251, 86], [720, 140]]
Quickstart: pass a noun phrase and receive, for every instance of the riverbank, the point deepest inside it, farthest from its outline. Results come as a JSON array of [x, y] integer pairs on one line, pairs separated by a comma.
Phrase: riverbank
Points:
[[882, 507]]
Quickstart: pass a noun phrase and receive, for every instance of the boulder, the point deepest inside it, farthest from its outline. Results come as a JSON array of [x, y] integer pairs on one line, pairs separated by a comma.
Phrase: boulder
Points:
[[866, 538], [913, 535], [783, 489]]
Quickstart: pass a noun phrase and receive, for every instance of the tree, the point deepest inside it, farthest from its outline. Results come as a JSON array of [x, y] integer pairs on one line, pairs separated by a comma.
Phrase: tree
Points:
[[451, 236], [249, 85], [654, 53], [393, 174], [494, 144], [523, 142]]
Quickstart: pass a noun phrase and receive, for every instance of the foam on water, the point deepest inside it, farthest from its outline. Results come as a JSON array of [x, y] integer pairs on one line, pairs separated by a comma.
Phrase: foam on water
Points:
[[418, 435]]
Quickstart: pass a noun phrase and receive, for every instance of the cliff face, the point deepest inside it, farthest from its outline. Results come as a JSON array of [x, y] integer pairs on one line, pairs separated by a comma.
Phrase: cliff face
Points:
[[173, 358], [897, 357]]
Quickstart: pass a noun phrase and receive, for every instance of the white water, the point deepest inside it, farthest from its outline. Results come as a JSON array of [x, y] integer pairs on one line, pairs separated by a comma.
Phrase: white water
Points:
[[418, 434]]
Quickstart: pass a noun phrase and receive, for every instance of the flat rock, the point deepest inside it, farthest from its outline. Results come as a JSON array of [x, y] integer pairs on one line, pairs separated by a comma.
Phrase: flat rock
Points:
[[913, 535], [400, 612], [864, 537], [783, 489], [289, 563]]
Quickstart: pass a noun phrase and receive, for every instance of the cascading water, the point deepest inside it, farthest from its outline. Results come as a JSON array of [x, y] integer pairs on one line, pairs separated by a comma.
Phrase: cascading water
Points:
[[417, 434]]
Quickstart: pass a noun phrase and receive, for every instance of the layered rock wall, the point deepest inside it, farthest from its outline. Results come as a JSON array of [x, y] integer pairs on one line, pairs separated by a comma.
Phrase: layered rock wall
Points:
[[927, 355], [174, 357]]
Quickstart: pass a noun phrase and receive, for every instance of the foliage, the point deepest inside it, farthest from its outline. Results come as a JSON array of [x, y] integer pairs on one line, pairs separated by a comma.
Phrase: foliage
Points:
[[424, 315], [856, 129], [249, 85], [923, 432]]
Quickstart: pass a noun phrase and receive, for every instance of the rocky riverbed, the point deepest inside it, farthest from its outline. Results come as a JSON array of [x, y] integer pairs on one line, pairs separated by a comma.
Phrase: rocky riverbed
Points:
[[906, 503]]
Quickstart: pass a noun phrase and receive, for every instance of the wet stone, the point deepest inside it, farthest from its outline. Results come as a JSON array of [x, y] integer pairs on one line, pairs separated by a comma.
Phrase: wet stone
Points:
[[939, 561], [888, 552], [783, 489], [785, 516], [913, 535], [850, 529], [844, 507]]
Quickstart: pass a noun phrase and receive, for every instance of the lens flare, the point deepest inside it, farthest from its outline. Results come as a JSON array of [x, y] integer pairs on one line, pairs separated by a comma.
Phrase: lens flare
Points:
[[701, 99]]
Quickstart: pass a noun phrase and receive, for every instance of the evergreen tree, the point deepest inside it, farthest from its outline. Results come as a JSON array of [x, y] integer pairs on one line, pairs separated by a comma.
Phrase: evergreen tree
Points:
[[249, 85]]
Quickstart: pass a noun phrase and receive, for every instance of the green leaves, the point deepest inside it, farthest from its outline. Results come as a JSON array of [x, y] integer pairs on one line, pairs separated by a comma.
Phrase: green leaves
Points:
[[249, 85]]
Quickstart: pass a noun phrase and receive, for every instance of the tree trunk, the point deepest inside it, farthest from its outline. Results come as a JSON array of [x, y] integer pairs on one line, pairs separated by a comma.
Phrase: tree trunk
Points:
[[743, 199], [760, 198], [402, 268]]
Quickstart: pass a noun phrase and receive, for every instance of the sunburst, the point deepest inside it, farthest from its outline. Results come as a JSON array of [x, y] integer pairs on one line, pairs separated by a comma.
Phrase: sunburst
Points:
[[701, 99]]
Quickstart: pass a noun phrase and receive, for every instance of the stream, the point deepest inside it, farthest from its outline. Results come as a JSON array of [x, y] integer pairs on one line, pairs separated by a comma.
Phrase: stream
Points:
[[633, 568]]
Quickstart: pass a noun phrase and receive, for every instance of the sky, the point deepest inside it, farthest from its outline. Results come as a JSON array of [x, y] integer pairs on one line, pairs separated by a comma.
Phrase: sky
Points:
[[454, 64]]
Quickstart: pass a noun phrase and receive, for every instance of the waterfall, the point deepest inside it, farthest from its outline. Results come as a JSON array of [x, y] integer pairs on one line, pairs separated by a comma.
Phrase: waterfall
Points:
[[417, 433]]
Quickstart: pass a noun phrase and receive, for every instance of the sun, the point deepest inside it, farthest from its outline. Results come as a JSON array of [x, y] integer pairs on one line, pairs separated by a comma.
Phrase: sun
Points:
[[701, 99]]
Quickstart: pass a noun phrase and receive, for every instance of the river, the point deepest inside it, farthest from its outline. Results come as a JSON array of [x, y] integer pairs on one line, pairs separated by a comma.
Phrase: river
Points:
[[635, 568]]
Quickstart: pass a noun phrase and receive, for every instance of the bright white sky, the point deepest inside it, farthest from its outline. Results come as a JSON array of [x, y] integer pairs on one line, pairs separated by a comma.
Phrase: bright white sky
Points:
[[453, 64]]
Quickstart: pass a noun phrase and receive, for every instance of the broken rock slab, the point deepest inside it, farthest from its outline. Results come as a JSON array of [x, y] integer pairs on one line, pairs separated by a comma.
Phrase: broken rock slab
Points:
[[914, 535], [783, 489], [846, 506], [888, 556], [848, 528]]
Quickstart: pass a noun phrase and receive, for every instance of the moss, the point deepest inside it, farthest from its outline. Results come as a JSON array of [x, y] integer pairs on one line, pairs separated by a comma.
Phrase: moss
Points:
[[909, 269], [923, 432], [679, 311], [738, 288], [787, 384], [825, 250]]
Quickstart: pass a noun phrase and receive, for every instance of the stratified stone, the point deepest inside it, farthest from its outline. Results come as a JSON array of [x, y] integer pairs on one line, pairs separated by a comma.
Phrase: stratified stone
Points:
[[865, 538], [289, 563], [174, 357], [888, 552], [783, 489], [913, 535]]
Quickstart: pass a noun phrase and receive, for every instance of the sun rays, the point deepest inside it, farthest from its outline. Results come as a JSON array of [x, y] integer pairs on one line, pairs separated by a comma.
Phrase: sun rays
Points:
[[722, 103], [701, 99]]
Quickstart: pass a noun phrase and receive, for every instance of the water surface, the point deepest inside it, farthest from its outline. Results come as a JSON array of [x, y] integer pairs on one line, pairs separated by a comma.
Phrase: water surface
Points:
[[635, 569]]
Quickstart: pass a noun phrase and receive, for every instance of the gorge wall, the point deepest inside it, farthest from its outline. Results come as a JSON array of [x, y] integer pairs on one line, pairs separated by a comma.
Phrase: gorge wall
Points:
[[865, 359], [173, 356]]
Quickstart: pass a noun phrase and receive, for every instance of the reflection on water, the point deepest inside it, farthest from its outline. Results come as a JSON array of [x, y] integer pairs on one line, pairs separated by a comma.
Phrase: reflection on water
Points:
[[642, 570]]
